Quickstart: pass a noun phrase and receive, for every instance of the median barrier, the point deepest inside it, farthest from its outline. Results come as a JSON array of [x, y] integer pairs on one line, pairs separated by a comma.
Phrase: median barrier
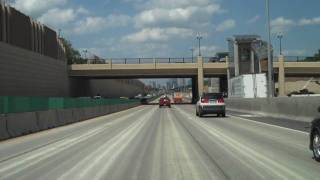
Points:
[[65, 116], [47, 119], [22, 123], [3, 128], [89, 112], [18, 124], [294, 108], [78, 114]]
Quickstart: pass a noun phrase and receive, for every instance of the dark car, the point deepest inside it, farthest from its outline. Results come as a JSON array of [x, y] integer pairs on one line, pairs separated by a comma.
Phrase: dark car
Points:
[[315, 138], [164, 101]]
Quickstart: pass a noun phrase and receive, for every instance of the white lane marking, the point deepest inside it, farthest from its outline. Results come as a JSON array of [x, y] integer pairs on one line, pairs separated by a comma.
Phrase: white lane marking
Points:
[[250, 115], [92, 160], [31, 158], [259, 158], [271, 125], [195, 170]]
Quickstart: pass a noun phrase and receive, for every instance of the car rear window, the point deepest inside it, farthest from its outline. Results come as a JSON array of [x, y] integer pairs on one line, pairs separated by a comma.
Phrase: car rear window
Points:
[[213, 96]]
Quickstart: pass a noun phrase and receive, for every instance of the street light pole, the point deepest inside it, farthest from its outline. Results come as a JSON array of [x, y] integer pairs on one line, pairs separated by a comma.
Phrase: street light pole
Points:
[[270, 63], [280, 36], [192, 50], [199, 37]]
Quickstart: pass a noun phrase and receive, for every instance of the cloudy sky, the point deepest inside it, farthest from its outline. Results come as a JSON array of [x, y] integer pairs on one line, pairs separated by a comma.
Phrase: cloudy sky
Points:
[[167, 28]]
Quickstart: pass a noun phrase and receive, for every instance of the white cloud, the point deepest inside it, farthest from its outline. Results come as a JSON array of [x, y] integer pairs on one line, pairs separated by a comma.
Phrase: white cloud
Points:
[[89, 25], [36, 8], [58, 17], [96, 24], [281, 25], [157, 34], [312, 21], [176, 16], [226, 25], [118, 20], [209, 51], [178, 3], [254, 19]]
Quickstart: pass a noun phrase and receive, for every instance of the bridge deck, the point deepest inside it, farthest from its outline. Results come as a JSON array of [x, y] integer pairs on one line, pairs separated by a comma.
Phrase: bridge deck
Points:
[[177, 69]]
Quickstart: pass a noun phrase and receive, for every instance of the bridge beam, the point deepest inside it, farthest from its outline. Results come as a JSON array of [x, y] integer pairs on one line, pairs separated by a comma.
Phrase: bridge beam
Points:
[[200, 75]]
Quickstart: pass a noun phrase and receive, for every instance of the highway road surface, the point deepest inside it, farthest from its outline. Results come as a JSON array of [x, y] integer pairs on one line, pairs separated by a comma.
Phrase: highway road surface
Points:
[[147, 143]]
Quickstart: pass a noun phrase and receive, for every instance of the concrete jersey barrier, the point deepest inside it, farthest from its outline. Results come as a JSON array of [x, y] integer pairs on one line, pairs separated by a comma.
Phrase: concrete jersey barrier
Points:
[[22, 124], [18, 124], [294, 108], [47, 119], [3, 128]]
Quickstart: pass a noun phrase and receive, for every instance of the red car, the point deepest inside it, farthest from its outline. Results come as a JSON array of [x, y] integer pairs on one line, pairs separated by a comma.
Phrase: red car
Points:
[[164, 101]]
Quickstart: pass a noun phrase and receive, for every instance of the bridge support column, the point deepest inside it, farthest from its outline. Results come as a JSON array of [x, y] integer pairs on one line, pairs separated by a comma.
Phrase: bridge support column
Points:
[[194, 90], [281, 76], [236, 59], [200, 76]]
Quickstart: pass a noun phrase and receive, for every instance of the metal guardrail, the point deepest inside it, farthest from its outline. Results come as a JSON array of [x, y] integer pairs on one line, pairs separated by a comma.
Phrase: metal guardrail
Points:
[[298, 59], [150, 60], [139, 60], [185, 60]]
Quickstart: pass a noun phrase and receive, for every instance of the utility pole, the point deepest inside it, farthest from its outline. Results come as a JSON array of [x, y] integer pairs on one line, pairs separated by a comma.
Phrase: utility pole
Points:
[[280, 36], [199, 37], [270, 63]]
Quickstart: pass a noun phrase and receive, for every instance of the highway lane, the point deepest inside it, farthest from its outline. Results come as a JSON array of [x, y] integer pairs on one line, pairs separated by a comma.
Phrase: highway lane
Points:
[[151, 143]]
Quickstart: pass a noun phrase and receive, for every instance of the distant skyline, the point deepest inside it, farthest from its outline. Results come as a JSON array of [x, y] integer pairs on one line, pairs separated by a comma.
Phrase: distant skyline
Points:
[[166, 28]]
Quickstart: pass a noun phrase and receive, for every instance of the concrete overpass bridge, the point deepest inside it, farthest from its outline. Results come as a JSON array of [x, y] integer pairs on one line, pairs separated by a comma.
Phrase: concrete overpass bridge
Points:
[[182, 68]]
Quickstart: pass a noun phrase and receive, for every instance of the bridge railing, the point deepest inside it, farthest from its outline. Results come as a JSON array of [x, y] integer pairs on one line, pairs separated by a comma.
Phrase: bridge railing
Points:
[[151, 60], [213, 60], [298, 59], [140, 60]]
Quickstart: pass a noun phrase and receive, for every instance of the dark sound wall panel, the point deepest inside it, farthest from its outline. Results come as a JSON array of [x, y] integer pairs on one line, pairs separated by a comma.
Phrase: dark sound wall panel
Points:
[[50, 43], [26, 73], [20, 29], [1, 21]]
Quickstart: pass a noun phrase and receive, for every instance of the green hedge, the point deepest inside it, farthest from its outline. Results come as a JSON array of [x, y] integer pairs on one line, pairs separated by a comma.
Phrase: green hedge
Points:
[[12, 104]]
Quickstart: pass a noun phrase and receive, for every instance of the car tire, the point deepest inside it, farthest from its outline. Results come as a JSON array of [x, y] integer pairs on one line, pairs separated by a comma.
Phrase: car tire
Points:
[[223, 114], [316, 145], [200, 114]]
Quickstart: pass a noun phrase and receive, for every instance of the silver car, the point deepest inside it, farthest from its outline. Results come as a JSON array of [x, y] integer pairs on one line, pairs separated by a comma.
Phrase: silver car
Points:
[[211, 103]]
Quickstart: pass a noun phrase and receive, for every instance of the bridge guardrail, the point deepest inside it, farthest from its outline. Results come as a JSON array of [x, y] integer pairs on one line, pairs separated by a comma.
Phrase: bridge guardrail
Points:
[[298, 59], [148, 60]]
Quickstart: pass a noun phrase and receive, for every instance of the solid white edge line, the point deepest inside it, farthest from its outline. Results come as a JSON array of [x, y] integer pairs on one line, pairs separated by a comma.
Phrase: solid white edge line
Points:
[[271, 125]]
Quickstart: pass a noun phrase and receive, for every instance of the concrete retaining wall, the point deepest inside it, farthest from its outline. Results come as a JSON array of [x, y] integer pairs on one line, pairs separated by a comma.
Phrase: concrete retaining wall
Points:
[[14, 125], [295, 108]]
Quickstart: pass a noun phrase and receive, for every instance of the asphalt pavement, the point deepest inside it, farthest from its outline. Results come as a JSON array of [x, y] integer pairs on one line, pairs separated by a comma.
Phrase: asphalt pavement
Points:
[[148, 142]]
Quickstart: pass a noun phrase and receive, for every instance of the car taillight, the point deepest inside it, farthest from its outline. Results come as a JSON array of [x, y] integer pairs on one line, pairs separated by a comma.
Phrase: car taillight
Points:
[[221, 100], [204, 100]]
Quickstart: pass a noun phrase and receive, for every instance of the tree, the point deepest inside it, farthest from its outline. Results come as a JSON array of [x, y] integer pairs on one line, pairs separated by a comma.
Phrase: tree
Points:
[[73, 55], [316, 57]]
